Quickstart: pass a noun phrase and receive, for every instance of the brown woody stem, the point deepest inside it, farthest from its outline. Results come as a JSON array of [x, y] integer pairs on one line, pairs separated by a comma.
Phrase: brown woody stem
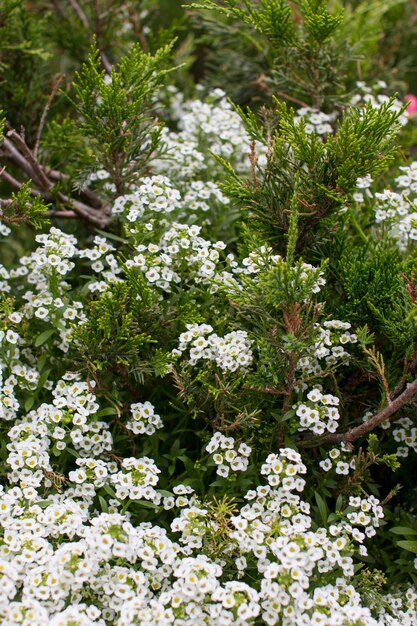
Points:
[[355, 433]]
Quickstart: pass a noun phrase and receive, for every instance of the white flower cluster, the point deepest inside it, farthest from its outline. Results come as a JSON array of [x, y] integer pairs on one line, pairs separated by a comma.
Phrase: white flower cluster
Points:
[[136, 479], [318, 413], [204, 124], [228, 455], [328, 349], [92, 471], [363, 185], [181, 254], [201, 196], [398, 208], [182, 152], [363, 518], [374, 96], [155, 194], [230, 353], [144, 419], [45, 271], [52, 258], [68, 420], [405, 433], [21, 376], [316, 121], [4, 279], [216, 125], [340, 460], [104, 263]]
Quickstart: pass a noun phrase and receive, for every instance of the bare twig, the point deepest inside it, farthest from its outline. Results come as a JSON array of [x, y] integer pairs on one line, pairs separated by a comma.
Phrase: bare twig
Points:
[[38, 174], [80, 13], [285, 96], [16, 184], [98, 218], [82, 16], [10, 180], [59, 9], [20, 154], [14, 155], [253, 161], [363, 429], [52, 95], [135, 21], [105, 61], [64, 214], [267, 390]]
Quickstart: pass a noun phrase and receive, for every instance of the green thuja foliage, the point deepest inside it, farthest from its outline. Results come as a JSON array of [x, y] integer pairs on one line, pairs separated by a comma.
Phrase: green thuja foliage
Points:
[[124, 331], [307, 51], [23, 207], [25, 60], [371, 280], [119, 123], [315, 177]]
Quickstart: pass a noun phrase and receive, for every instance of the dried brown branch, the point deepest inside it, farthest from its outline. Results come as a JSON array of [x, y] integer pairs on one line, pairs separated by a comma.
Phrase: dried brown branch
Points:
[[52, 95], [267, 390], [82, 16], [14, 155], [16, 184], [80, 13], [89, 195], [376, 420], [19, 153], [285, 96], [98, 218], [38, 175], [135, 21], [64, 214], [105, 61]]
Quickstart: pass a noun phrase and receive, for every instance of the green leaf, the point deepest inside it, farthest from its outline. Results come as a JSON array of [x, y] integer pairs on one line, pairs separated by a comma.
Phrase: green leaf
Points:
[[29, 402], [403, 530], [410, 546], [164, 493], [109, 491], [43, 378], [146, 505], [322, 506], [103, 504], [109, 410], [43, 337], [339, 503], [41, 362]]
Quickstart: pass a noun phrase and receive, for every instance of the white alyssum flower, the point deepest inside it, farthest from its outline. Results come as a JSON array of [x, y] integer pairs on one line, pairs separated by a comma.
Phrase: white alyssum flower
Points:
[[231, 352]]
